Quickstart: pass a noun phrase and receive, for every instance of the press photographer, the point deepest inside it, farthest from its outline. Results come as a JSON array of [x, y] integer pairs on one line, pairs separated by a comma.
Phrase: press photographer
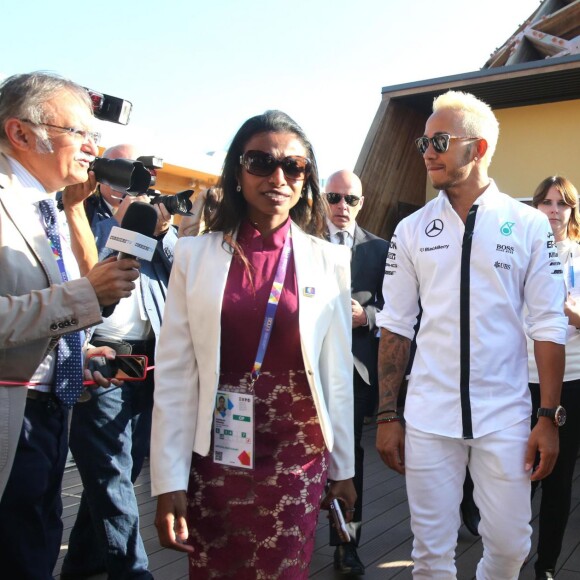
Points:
[[111, 428], [137, 177]]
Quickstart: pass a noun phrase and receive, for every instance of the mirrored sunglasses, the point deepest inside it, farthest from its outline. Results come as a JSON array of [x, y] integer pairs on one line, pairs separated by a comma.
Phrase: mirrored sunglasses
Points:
[[263, 164], [334, 198], [440, 142]]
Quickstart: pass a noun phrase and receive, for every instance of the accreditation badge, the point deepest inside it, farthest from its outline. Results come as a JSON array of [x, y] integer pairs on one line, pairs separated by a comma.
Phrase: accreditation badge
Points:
[[234, 429]]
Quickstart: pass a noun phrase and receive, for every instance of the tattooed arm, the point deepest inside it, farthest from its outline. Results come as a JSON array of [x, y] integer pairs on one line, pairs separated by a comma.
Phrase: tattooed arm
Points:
[[393, 359]]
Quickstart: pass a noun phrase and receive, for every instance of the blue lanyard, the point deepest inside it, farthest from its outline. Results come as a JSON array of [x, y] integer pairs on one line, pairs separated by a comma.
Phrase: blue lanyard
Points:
[[272, 306]]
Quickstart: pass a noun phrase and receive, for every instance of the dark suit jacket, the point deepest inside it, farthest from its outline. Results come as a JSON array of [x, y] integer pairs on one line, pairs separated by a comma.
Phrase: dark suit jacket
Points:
[[369, 254]]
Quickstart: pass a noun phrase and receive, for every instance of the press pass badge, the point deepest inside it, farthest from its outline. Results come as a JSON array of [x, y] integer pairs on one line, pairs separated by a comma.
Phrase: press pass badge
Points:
[[234, 429]]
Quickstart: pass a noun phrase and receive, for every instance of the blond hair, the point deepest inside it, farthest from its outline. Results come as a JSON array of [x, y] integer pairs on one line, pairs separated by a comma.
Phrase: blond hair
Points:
[[477, 118]]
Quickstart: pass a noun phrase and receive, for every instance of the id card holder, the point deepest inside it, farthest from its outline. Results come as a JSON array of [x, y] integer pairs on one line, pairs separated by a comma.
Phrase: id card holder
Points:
[[234, 429]]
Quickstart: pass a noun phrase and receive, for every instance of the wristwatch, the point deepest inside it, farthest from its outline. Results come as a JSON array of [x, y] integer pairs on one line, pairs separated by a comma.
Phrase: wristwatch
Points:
[[558, 415]]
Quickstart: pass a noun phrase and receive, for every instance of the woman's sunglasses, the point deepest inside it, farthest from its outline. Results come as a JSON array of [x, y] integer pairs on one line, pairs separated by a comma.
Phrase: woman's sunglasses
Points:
[[334, 198], [263, 164], [440, 142]]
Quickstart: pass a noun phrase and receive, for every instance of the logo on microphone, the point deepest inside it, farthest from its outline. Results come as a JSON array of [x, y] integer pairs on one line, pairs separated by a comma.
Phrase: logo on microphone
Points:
[[131, 243]]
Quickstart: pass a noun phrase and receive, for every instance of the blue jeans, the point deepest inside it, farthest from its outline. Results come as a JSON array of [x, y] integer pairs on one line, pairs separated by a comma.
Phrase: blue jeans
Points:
[[109, 439]]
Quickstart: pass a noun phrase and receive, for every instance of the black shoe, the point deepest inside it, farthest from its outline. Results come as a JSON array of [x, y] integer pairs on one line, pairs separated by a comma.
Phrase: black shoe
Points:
[[470, 514], [544, 574], [346, 560]]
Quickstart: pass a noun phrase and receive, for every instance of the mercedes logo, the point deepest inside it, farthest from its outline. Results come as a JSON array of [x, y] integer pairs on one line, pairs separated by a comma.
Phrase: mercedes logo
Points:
[[434, 228]]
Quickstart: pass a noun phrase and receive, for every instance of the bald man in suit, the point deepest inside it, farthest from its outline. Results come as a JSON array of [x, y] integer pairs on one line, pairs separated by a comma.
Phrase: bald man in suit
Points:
[[369, 253]]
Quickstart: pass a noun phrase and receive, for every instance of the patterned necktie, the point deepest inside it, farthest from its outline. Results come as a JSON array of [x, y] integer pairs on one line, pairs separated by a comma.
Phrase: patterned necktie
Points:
[[341, 238], [69, 368]]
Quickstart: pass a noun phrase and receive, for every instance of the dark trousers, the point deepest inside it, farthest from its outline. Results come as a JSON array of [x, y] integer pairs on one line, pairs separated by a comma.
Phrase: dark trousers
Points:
[[557, 487], [31, 507], [361, 392], [109, 440]]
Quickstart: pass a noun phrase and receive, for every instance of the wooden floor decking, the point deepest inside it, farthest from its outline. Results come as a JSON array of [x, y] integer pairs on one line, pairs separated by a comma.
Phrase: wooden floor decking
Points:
[[386, 538]]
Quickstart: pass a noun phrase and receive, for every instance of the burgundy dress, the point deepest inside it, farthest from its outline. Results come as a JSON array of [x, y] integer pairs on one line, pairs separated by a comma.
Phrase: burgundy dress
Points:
[[260, 523]]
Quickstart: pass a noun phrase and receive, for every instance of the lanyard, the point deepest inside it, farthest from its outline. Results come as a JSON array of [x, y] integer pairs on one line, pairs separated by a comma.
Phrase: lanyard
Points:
[[272, 306]]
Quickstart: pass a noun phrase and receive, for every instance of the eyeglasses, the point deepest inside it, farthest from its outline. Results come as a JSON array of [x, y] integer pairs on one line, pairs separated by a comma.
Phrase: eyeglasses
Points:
[[94, 136], [263, 164], [334, 198], [440, 142]]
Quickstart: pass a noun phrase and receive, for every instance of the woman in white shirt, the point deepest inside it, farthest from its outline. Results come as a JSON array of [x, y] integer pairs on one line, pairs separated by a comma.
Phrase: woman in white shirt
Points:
[[558, 199]]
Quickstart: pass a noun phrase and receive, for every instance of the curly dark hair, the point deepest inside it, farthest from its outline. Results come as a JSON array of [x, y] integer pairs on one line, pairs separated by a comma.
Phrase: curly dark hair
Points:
[[308, 213]]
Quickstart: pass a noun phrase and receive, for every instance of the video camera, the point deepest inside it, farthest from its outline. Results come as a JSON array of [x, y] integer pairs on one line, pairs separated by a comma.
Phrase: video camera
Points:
[[136, 177]]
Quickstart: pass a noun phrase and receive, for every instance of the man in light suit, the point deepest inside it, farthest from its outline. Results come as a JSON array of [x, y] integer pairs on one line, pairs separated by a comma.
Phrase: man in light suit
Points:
[[47, 142], [369, 253]]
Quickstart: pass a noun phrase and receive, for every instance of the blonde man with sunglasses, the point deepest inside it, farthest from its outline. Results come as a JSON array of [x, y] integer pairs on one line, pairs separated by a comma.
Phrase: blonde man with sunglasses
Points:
[[472, 257]]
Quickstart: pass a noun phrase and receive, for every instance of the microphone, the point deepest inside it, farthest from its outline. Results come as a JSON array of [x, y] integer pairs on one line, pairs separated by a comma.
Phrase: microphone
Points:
[[134, 239]]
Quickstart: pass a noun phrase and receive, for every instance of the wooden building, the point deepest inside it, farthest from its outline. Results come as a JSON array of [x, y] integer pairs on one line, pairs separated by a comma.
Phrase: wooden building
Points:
[[533, 84]]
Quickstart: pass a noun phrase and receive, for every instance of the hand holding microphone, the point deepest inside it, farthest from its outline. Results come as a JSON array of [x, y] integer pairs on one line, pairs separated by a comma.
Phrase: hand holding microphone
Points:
[[112, 279], [133, 239]]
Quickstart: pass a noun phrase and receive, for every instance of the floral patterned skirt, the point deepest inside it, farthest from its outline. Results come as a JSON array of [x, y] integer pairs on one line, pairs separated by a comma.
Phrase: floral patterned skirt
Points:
[[260, 523]]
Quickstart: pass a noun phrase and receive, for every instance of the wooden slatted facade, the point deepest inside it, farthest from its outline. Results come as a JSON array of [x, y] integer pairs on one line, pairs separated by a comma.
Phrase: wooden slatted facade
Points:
[[521, 73]]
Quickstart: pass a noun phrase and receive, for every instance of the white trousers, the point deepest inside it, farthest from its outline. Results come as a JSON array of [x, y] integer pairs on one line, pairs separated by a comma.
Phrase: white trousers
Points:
[[435, 472]]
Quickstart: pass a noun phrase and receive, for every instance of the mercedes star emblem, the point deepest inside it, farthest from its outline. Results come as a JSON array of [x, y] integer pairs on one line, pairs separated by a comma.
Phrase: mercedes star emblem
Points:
[[434, 228]]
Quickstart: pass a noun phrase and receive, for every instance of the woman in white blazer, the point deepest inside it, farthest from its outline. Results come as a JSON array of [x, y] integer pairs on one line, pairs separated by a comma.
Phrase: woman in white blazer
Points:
[[246, 431]]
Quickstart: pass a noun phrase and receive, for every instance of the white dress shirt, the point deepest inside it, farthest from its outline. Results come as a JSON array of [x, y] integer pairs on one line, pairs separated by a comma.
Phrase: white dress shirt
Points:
[[513, 261], [35, 192], [334, 231]]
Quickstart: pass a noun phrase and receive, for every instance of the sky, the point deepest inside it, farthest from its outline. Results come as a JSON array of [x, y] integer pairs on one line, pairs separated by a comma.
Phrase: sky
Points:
[[196, 70]]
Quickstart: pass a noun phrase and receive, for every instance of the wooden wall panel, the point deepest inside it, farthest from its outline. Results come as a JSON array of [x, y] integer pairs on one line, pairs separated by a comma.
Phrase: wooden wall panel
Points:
[[389, 166]]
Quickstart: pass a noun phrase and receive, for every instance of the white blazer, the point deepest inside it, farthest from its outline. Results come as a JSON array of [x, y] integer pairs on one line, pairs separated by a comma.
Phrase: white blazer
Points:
[[188, 352]]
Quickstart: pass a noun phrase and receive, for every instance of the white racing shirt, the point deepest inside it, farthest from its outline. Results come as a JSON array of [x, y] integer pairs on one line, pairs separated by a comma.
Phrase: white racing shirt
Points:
[[569, 252], [470, 373]]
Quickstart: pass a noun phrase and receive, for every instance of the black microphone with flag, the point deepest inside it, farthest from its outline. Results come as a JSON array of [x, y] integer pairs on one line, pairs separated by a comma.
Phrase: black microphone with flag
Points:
[[134, 239]]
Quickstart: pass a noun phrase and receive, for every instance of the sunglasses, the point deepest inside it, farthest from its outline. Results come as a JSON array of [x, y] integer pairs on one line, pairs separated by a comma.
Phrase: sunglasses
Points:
[[440, 142], [334, 198], [263, 164]]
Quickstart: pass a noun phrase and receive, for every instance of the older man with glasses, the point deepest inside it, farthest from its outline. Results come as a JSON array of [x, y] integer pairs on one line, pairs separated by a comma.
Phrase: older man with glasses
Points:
[[471, 259], [345, 200], [46, 144]]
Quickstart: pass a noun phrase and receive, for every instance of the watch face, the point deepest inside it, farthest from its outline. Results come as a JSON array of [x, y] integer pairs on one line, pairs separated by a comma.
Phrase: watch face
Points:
[[560, 416]]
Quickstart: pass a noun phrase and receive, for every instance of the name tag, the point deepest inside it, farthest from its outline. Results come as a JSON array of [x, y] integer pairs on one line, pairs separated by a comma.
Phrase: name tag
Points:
[[234, 429]]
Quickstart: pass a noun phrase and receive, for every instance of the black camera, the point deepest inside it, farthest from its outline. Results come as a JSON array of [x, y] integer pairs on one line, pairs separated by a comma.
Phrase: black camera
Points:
[[174, 204], [137, 177]]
